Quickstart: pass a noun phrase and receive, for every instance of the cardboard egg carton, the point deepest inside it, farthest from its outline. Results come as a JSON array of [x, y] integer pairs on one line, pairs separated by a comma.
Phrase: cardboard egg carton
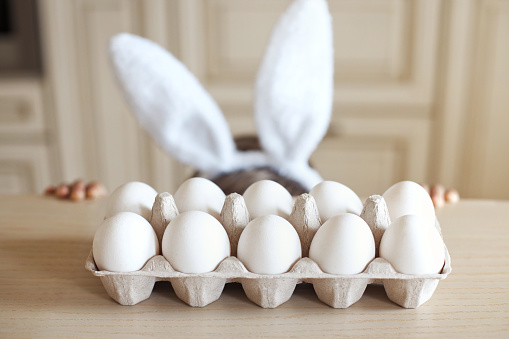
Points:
[[270, 291]]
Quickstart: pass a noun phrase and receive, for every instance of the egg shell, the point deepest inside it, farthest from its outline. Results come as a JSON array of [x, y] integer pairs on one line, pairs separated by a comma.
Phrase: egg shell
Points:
[[195, 242], [269, 245], [333, 198], [200, 194], [408, 197], [136, 197], [124, 243], [266, 197], [412, 247], [343, 245]]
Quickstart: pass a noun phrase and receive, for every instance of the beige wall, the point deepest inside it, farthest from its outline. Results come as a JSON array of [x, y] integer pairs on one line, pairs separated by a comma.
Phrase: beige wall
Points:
[[421, 91]]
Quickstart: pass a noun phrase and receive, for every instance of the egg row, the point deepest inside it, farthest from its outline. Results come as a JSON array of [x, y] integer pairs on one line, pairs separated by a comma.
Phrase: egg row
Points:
[[197, 243], [267, 197]]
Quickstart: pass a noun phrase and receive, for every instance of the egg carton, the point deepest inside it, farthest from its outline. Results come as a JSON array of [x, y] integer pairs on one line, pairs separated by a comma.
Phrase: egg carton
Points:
[[270, 291]]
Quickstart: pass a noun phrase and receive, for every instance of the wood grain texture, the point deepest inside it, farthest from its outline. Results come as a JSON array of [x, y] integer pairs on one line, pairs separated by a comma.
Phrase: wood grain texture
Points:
[[45, 290]]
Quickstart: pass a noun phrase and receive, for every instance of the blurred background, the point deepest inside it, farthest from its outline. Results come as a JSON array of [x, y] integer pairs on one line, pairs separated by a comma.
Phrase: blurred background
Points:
[[421, 89]]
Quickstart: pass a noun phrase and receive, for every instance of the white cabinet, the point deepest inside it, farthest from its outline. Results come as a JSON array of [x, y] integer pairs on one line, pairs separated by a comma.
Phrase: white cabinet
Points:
[[419, 87]]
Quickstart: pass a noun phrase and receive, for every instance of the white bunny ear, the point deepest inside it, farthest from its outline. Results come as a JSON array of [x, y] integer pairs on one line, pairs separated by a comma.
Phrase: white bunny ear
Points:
[[171, 105], [294, 88]]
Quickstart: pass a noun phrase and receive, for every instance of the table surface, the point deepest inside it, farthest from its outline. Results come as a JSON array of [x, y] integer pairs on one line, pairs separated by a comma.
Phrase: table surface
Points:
[[45, 290]]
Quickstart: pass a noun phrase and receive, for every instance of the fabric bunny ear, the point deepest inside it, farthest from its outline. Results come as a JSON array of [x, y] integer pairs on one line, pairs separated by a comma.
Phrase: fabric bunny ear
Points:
[[171, 105], [294, 89]]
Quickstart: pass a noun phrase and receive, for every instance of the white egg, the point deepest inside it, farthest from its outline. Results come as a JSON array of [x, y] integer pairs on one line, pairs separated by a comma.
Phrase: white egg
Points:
[[266, 197], [136, 197], [333, 198], [344, 244], [195, 242], [411, 247], [269, 245], [200, 194], [124, 243], [408, 197]]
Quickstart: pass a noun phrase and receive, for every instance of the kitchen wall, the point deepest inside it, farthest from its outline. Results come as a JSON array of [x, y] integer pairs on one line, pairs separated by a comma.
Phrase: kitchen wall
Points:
[[421, 91]]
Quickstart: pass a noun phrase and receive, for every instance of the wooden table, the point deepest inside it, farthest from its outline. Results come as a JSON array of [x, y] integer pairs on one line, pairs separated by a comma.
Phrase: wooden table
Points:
[[45, 290]]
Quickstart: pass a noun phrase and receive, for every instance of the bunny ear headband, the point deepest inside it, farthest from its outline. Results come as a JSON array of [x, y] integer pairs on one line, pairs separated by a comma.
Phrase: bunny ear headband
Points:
[[292, 106]]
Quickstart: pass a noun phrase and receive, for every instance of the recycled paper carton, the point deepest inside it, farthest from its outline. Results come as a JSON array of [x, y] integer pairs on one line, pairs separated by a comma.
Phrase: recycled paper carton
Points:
[[270, 291]]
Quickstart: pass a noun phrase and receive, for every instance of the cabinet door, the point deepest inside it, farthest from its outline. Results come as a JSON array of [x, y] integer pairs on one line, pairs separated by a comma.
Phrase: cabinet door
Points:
[[24, 157], [23, 168]]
